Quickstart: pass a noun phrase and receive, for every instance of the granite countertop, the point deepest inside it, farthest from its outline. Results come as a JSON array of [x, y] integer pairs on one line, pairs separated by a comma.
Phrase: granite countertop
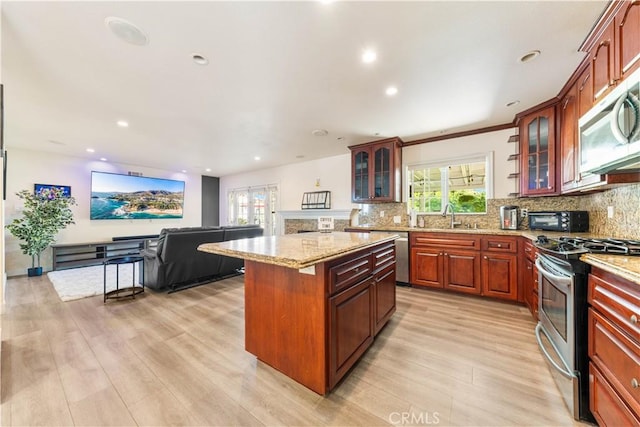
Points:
[[623, 266], [530, 234], [296, 250]]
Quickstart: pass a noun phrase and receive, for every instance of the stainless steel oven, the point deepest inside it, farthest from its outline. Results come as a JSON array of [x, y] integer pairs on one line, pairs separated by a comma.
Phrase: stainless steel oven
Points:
[[562, 329]]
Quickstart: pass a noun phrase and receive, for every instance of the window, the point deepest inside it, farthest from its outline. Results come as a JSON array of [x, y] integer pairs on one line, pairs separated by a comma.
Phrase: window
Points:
[[254, 205], [462, 182]]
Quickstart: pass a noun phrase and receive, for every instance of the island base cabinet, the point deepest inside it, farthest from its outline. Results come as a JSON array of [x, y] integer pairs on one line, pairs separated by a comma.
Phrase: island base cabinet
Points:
[[285, 321], [352, 328], [607, 407]]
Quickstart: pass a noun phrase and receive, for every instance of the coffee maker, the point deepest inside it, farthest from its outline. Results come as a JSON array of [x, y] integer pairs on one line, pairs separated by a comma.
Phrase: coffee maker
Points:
[[509, 217]]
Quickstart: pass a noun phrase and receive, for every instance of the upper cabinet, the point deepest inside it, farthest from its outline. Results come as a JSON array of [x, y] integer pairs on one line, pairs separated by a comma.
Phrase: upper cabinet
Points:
[[376, 171], [616, 52], [603, 64], [538, 153], [568, 112], [627, 38]]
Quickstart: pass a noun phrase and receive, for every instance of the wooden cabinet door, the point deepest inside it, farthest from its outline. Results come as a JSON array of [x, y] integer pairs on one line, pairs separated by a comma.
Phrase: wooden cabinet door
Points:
[[605, 404], [627, 39], [427, 267], [538, 150], [376, 171], [569, 140], [384, 286], [352, 329], [602, 64], [500, 276], [360, 174], [462, 271], [382, 174]]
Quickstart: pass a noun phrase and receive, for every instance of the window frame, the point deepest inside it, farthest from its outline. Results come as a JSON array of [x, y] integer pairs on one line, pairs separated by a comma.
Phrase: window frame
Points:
[[443, 164], [271, 197]]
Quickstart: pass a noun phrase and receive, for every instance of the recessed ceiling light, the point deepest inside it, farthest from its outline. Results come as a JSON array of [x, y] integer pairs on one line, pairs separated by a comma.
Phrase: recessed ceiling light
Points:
[[369, 56], [54, 142], [207, 170], [122, 123], [90, 150], [199, 59], [391, 91], [256, 158], [529, 56], [126, 31], [319, 132], [300, 156], [340, 138], [512, 103], [104, 159], [376, 134], [184, 171]]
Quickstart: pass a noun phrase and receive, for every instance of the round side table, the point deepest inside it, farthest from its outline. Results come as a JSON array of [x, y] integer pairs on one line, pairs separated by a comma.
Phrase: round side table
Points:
[[129, 291]]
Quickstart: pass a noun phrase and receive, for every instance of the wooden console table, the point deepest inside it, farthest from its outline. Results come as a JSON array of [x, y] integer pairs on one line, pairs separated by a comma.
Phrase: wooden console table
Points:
[[72, 255]]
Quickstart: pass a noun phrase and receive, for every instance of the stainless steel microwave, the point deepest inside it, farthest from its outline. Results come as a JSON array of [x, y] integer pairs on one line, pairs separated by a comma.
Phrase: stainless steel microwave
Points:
[[610, 131], [565, 221]]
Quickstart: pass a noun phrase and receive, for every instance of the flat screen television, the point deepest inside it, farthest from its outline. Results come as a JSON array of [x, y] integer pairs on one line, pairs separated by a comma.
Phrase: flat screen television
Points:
[[117, 196]]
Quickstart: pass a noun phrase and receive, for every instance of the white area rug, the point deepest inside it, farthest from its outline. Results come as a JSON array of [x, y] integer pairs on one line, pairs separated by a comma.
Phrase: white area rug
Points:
[[76, 283]]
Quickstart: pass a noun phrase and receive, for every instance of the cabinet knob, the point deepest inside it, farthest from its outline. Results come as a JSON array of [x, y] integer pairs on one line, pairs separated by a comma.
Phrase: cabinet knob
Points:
[[528, 267], [499, 245], [634, 319], [485, 257], [446, 254], [634, 383]]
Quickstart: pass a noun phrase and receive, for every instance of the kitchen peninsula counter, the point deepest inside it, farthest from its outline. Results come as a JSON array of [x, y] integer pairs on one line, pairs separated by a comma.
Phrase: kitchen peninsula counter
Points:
[[314, 302]]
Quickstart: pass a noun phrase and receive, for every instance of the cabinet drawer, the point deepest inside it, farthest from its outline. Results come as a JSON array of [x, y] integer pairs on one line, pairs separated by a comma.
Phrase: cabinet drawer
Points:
[[349, 272], [617, 356], [618, 299], [500, 244], [605, 404], [383, 256], [529, 249], [445, 240]]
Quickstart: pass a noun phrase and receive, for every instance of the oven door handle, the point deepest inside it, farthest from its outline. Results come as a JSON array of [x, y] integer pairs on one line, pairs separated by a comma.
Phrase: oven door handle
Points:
[[564, 370], [566, 281]]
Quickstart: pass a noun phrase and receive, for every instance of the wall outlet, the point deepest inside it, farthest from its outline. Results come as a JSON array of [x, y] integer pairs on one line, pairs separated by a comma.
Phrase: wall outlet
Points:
[[524, 212], [381, 214], [397, 219], [610, 212]]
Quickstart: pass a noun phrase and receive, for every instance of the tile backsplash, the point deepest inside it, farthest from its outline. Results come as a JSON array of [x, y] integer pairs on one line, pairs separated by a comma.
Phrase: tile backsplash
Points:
[[624, 224]]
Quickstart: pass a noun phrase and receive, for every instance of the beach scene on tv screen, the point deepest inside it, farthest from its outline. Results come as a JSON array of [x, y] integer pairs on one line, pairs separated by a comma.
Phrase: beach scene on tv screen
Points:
[[115, 196]]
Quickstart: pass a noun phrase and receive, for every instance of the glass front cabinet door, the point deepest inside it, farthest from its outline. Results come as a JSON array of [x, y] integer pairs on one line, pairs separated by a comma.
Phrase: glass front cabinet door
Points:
[[538, 148], [375, 171]]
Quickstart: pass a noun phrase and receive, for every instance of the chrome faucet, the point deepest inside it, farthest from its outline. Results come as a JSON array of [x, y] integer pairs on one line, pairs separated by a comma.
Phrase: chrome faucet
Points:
[[449, 206]]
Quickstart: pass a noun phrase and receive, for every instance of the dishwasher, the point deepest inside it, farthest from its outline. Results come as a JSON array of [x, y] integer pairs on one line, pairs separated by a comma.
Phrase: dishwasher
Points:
[[402, 256]]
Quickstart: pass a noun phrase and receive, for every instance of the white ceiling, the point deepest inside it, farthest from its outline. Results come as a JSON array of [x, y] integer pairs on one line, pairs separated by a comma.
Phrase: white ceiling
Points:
[[277, 71]]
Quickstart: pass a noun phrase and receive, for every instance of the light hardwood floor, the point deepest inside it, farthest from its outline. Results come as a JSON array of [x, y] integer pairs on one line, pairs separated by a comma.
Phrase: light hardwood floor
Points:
[[179, 359]]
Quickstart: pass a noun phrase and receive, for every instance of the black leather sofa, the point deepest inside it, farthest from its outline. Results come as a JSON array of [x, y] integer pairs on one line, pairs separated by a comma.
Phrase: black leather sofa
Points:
[[176, 261]]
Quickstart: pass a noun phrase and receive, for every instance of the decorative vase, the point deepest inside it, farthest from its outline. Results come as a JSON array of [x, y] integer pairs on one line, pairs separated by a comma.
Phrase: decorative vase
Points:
[[36, 271]]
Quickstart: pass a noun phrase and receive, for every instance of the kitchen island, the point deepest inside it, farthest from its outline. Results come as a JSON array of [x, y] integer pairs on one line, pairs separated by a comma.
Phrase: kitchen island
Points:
[[314, 301]]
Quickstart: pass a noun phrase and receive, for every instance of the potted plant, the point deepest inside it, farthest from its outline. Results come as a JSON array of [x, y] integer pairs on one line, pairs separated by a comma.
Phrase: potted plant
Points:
[[45, 213]]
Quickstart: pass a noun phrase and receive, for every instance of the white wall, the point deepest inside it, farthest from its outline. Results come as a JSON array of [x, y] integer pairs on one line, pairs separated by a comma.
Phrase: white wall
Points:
[[26, 168], [480, 143], [295, 179]]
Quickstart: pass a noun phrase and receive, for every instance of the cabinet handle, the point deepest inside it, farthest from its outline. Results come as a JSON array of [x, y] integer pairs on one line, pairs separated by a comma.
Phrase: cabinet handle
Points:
[[634, 383], [634, 319], [528, 267]]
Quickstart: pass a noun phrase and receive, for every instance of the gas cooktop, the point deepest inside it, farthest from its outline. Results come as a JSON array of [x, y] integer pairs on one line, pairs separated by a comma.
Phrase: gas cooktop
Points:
[[579, 245]]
